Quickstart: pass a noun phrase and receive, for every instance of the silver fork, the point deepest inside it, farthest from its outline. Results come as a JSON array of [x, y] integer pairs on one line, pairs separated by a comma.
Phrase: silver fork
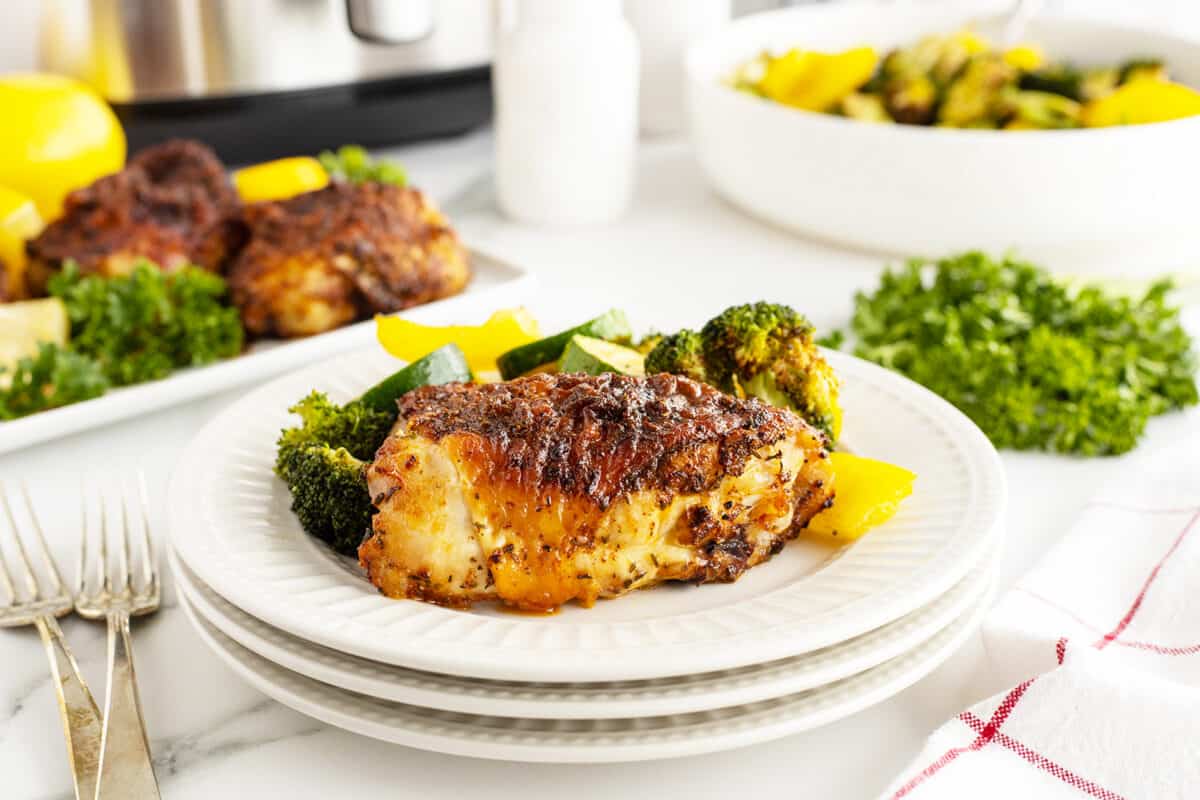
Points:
[[126, 769], [41, 606]]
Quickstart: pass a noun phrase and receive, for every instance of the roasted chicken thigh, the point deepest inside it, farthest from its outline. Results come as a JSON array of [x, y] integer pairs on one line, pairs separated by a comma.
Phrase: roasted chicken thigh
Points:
[[172, 205], [565, 487], [321, 259]]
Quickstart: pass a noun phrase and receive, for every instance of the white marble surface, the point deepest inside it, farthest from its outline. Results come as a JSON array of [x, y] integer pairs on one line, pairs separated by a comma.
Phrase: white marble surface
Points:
[[680, 255]]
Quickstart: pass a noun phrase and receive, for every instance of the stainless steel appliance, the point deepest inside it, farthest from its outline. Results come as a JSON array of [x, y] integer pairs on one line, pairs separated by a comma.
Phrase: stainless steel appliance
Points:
[[263, 78]]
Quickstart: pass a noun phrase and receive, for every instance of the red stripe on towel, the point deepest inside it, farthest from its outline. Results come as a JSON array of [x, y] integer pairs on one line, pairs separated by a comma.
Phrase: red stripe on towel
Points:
[[1043, 763], [986, 733], [1141, 595]]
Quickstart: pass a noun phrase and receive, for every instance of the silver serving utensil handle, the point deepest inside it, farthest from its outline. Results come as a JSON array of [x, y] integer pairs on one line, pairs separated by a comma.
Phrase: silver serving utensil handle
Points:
[[1018, 18], [81, 719], [126, 769]]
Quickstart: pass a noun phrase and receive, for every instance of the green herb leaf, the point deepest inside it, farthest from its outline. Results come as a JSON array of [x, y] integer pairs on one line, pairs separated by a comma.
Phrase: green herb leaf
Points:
[[53, 377], [147, 324], [354, 164], [1035, 364]]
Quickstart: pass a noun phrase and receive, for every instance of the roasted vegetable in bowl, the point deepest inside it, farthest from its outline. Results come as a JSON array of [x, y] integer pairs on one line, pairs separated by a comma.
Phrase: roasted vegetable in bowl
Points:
[[960, 80]]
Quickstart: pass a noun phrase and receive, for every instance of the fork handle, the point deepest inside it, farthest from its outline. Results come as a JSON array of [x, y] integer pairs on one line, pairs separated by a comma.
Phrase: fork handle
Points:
[[126, 770], [80, 716]]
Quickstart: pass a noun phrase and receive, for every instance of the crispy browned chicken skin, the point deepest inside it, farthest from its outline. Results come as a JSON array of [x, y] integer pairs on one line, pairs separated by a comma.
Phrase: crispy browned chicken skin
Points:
[[322, 259], [558, 487], [173, 205]]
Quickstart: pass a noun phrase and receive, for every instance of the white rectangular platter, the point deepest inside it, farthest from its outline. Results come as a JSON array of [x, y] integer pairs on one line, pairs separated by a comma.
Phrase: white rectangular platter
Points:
[[495, 284]]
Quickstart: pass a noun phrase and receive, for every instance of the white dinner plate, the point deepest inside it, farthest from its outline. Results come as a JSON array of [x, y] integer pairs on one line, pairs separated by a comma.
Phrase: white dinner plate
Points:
[[589, 740], [230, 522], [494, 284], [651, 698]]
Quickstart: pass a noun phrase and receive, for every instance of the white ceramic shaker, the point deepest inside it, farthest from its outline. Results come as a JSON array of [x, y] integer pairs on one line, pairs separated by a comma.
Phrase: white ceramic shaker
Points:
[[565, 78], [665, 29]]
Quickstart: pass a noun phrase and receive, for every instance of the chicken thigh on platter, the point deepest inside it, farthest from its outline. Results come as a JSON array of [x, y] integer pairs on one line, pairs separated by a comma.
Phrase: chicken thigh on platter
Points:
[[322, 259], [565, 487], [172, 205]]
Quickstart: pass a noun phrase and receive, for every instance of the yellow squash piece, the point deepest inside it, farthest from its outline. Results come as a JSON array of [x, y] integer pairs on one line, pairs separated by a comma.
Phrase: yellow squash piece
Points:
[[19, 222], [867, 494], [280, 179], [56, 136], [816, 81], [482, 344], [1140, 102]]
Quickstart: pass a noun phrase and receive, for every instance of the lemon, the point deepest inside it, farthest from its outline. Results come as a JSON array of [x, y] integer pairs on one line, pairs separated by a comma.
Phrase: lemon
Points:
[[57, 136], [24, 325], [19, 221], [280, 179]]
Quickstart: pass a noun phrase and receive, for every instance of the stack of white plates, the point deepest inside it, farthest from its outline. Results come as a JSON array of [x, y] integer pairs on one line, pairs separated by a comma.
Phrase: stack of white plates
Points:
[[816, 634]]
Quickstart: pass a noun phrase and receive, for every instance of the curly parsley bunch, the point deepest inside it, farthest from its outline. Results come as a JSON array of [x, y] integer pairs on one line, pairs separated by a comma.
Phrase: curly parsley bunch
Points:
[[145, 325], [1037, 365]]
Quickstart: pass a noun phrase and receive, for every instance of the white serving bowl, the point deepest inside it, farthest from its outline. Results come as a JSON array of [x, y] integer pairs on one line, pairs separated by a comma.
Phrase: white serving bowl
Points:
[[1123, 198]]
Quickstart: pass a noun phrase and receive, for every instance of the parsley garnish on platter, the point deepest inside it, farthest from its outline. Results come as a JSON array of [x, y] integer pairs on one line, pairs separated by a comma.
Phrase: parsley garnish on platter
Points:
[[1037, 365], [54, 377], [145, 325]]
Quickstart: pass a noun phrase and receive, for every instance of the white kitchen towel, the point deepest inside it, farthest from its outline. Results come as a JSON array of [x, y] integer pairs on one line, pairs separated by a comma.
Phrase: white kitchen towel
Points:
[[1102, 640]]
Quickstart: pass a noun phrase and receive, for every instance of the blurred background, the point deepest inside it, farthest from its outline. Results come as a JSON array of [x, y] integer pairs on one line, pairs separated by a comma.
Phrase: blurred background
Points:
[[254, 78]]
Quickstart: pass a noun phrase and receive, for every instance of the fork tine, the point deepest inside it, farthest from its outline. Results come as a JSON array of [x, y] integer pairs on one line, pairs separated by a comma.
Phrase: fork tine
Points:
[[81, 571], [149, 573], [30, 578], [51, 565], [123, 555], [103, 574], [6, 576]]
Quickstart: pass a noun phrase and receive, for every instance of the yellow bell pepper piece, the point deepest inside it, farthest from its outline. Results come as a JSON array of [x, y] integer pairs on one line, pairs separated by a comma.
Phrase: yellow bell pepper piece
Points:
[[1140, 102], [280, 179], [867, 494], [1025, 57], [816, 81], [482, 344], [19, 221]]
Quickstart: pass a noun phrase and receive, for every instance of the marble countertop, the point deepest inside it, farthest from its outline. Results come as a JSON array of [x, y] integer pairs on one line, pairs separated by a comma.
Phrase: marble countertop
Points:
[[668, 263]]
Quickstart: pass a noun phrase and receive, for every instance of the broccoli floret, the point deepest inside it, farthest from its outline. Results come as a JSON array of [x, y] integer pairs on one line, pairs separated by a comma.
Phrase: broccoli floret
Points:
[[762, 350], [680, 354], [329, 494], [746, 339], [353, 426], [323, 462], [766, 350], [647, 343]]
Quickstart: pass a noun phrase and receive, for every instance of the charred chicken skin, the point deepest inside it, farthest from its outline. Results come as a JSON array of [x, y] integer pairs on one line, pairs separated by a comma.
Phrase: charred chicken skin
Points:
[[553, 488], [325, 258], [173, 205]]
